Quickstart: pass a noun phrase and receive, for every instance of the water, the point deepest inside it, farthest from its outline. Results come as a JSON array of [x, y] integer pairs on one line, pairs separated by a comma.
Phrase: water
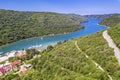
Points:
[[90, 27]]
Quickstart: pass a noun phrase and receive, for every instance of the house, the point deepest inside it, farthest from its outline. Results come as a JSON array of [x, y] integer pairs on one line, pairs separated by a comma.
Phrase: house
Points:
[[6, 63], [28, 65], [23, 69], [15, 63], [11, 54], [7, 68], [2, 71], [1, 65], [20, 53]]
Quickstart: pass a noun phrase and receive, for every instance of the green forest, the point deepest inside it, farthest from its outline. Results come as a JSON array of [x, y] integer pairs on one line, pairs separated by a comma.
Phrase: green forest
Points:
[[111, 21], [114, 32], [64, 62], [17, 25]]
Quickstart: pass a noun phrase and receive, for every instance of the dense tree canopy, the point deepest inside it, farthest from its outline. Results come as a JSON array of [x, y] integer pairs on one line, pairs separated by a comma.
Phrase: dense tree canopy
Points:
[[66, 62], [114, 32], [15, 25], [111, 21]]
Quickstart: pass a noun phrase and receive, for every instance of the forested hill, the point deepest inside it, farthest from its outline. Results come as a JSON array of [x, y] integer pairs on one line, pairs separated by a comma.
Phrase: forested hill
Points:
[[114, 32], [99, 16], [16, 25], [111, 21], [66, 62]]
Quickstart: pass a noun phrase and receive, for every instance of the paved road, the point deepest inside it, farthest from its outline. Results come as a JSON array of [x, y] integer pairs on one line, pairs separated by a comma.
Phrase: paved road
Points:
[[112, 45]]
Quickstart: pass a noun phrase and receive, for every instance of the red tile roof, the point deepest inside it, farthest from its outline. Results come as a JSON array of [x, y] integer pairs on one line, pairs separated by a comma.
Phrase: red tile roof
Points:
[[8, 67], [2, 70], [17, 62], [20, 53]]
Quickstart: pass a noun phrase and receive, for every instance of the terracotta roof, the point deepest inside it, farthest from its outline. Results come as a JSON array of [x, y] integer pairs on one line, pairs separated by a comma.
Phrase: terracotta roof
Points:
[[6, 67], [20, 53], [2, 70], [15, 62]]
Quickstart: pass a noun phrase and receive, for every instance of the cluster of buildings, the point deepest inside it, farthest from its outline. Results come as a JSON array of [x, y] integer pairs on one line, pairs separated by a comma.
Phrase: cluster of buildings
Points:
[[9, 66], [20, 53], [15, 65], [12, 54]]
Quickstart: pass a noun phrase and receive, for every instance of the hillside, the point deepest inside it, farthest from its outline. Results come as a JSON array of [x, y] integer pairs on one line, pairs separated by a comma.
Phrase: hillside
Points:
[[85, 58], [66, 62], [15, 25], [111, 21], [99, 16], [114, 32]]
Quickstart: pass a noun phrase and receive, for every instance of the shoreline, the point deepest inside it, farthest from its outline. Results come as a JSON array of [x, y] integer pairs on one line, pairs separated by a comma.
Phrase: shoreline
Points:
[[35, 37], [6, 56], [45, 46], [44, 36], [4, 53], [41, 36]]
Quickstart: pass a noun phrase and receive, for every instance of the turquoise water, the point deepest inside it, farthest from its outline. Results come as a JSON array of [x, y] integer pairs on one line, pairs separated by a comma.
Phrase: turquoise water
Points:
[[90, 27]]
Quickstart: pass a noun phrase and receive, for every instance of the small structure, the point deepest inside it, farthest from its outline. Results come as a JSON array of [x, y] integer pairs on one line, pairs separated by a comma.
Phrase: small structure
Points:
[[20, 53], [23, 69], [15, 63], [2, 71], [1, 65], [9, 66], [11, 54], [6, 63], [28, 65]]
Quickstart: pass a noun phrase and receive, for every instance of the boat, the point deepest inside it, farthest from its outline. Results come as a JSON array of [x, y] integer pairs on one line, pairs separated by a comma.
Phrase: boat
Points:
[[41, 38], [35, 47]]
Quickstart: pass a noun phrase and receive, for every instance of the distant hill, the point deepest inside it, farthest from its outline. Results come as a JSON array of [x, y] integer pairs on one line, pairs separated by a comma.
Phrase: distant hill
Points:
[[111, 21], [98, 16], [17, 25]]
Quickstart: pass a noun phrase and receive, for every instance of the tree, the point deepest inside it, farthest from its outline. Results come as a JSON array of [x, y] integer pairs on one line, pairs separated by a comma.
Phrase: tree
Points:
[[50, 47]]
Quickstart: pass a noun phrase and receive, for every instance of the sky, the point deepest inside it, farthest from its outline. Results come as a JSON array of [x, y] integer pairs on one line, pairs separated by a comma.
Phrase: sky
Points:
[[83, 7]]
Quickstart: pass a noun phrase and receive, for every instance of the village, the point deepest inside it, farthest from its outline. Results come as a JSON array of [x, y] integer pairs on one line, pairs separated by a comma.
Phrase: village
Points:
[[18, 61], [16, 65]]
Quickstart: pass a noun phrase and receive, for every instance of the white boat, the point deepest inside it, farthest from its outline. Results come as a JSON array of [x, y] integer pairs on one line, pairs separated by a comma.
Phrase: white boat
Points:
[[35, 47], [41, 38]]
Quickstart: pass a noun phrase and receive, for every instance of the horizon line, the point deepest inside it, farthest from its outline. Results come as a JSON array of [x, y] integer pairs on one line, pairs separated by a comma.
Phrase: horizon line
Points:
[[58, 12]]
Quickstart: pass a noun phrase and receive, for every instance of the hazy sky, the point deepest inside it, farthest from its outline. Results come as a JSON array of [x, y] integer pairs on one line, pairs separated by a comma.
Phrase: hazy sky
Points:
[[64, 6]]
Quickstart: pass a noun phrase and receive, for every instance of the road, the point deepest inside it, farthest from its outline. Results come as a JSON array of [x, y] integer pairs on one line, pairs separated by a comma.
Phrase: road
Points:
[[112, 45]]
